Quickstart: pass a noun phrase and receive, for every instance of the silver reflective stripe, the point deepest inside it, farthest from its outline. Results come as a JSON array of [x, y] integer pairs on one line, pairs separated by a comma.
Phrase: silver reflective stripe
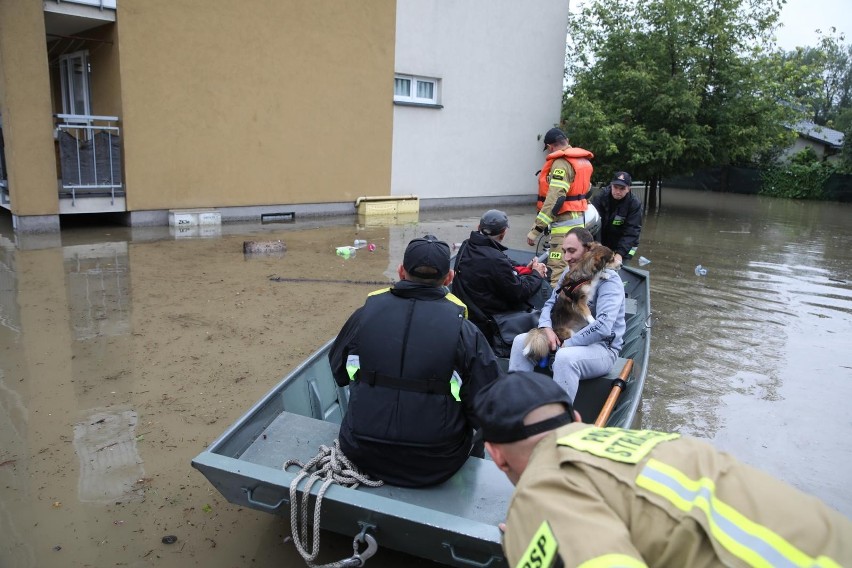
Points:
[[755, 544]]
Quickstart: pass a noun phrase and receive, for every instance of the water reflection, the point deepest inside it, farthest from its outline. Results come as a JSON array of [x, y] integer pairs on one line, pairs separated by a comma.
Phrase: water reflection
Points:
[[110, 466], [99, 289]]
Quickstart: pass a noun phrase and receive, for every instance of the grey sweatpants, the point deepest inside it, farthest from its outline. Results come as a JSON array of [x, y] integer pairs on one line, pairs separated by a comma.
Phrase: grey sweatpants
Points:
[[571, 364]]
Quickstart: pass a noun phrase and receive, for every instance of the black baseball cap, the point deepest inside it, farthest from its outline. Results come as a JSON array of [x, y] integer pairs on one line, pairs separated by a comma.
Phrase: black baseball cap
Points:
[[493, 222], [502, 406], [553, 135], [427, 257], [621, 178]]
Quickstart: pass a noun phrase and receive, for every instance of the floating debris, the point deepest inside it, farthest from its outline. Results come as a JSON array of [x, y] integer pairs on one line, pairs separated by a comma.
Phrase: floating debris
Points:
[[169, 539], [264, 248]]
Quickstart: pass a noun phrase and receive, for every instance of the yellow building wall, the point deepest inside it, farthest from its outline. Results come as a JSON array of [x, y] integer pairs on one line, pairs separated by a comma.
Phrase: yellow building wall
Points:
[[28, 130], [257, 102], [106, 77]]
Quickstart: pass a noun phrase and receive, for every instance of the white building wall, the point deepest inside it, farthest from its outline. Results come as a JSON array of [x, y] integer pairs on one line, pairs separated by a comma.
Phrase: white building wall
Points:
[[500, 65], [803, 143]]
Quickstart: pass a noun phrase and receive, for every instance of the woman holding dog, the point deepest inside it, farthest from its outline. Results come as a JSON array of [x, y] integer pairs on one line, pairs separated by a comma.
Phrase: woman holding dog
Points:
[[592, 351]]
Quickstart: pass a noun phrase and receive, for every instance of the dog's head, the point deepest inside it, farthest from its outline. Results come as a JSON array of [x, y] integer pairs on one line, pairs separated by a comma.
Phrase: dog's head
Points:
[[591, 263], [598, 257]]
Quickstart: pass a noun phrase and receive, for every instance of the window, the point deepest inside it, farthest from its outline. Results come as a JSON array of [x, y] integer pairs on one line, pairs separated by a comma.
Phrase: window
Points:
[[416, 90], [74, 73]]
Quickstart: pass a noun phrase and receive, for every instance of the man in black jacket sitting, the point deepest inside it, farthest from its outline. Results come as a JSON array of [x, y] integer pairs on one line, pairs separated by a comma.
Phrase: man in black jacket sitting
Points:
[[413, 364], [488, 279]]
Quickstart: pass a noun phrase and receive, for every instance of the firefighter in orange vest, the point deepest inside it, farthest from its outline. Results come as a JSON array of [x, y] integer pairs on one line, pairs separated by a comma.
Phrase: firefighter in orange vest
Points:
[[563, 186]]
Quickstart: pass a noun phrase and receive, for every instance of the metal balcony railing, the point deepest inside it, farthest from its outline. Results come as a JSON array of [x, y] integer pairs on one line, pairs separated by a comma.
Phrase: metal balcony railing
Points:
[[89, 156]]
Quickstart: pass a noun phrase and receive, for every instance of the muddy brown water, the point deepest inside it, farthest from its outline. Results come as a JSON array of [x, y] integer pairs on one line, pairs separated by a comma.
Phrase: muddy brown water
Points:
[[124, 352]]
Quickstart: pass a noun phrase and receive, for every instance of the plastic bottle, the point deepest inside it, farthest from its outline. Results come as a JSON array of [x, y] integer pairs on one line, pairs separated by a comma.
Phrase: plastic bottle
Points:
[[359, 243], [643, 261], [346, 252], [700, 271]]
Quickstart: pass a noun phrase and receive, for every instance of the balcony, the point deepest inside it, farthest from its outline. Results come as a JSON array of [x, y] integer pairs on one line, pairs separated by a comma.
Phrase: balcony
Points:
[[67, 18], [89, 152]]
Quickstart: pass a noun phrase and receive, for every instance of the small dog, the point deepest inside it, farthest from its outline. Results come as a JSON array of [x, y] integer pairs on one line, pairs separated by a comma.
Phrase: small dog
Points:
[[571, 311]]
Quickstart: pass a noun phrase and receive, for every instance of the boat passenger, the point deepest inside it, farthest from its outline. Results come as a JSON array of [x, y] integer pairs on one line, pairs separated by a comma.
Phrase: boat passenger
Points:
[[414, 364], [489, 282], [621, 217], [592, 351], [563, 188], [612, 497]]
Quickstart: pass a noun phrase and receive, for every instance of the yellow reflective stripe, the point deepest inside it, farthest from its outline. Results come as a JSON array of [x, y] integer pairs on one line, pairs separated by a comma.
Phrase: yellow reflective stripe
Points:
[[351, 370], [542, 549], [747, 540], [382, 291], [455, 386], [563, 229], [455, 299], [544, 218], [617, 444], [558, 183], [613, 561]]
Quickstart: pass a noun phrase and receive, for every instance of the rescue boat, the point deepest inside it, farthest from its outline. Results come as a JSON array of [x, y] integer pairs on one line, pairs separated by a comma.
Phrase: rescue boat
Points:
[[454, 523]]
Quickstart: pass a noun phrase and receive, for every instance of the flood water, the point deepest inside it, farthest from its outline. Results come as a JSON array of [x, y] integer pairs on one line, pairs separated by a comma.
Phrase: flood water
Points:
[[124, 352]]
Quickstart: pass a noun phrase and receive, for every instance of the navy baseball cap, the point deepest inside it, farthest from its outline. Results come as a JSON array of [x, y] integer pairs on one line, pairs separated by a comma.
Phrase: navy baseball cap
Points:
[[503, 404], [621, 178], [553, 135], [427, 257]]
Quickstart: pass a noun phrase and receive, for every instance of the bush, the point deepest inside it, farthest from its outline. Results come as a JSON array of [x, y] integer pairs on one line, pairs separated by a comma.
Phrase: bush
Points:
[[803, 177]]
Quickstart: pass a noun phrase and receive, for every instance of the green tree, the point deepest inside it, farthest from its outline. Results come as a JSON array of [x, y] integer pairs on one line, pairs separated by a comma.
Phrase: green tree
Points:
[[828, 89], [657, 90]]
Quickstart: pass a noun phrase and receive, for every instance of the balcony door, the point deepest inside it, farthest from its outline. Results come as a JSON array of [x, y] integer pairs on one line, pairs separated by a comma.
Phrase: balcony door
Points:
[[74, 73]]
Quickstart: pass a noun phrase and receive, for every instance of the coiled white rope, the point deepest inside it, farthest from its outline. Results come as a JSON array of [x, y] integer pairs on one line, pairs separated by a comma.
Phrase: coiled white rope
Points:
[[331, 466]]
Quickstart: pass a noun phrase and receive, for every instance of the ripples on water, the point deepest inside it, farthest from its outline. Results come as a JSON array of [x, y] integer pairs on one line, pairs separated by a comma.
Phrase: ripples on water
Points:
[[757, 351]]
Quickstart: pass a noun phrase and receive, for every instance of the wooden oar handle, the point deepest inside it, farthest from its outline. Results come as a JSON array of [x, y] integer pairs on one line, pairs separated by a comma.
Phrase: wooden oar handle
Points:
[[617, 386]]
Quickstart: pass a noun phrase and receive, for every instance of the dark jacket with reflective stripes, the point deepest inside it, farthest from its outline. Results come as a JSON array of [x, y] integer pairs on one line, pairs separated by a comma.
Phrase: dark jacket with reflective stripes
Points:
[[411, 333], [621, 221]]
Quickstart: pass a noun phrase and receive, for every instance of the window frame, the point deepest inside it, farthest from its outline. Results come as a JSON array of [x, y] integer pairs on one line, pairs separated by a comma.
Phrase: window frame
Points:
[[411, 98]]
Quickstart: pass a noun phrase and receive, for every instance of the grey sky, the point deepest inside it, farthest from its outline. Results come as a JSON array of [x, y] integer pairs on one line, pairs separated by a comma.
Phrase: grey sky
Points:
[[801, 17]]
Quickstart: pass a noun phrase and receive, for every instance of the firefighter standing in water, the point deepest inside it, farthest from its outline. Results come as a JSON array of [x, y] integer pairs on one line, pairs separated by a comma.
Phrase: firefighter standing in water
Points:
[[563, 187]]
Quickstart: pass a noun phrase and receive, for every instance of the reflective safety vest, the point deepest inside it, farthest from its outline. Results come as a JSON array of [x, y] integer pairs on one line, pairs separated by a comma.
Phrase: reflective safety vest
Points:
[[577, 192]]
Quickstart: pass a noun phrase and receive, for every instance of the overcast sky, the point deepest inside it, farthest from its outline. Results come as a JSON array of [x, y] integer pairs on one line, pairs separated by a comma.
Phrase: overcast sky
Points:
[[801, 17]]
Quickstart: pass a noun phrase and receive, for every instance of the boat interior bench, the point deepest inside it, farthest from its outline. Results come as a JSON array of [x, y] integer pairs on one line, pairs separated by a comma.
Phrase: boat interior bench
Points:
[[593, 392], [466, 508], [470, 493]]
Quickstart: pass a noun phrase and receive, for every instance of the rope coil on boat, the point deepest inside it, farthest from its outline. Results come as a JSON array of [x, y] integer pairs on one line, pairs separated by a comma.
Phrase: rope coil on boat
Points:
[[331, 466]]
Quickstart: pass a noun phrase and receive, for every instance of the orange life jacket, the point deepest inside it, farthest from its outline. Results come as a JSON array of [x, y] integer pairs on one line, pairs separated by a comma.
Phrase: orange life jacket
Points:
[[579, 160]]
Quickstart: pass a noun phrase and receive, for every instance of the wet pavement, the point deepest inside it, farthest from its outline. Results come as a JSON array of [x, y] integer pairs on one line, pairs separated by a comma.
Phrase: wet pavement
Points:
[[123, 352]]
